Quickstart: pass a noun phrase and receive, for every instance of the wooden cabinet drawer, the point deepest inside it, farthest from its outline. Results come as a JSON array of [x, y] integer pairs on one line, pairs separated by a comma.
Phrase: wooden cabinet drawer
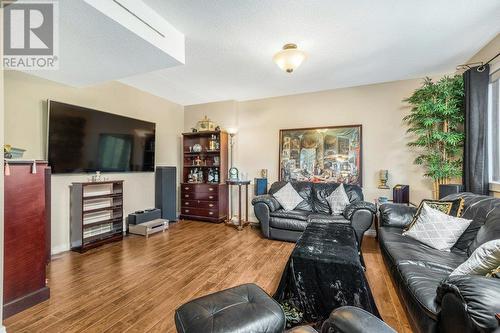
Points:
[[198, 204], [200, 212], [206, 188], [199, 196]]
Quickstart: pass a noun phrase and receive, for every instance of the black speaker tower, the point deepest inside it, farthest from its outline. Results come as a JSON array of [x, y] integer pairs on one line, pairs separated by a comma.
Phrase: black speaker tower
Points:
[[166, 191]]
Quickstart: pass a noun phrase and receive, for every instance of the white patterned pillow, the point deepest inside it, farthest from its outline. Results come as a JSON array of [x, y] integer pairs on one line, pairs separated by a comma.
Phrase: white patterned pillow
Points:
[[288, 197], [436, 229], [338, 200], [482, 261]]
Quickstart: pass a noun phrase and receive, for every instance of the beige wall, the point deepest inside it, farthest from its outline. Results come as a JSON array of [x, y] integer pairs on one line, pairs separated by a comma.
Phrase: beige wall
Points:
[[487, 52], [379, 108], [25, 127]]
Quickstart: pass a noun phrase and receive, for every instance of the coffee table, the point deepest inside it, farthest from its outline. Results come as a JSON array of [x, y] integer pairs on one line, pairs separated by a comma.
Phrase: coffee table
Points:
[[324, 272]]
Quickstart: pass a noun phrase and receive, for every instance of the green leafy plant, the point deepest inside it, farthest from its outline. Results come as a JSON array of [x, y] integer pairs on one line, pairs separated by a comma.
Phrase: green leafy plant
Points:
[[436, 122]]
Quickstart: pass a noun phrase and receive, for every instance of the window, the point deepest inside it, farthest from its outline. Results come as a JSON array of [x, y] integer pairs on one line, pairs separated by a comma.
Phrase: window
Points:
[[494, 106]]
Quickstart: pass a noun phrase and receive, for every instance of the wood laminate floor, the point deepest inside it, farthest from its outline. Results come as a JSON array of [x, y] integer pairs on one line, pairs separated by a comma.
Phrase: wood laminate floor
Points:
[[135, 285]]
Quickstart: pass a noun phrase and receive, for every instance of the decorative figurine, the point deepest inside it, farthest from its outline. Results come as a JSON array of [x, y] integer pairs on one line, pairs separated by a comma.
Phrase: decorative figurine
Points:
[[383, 177], [205, 125]]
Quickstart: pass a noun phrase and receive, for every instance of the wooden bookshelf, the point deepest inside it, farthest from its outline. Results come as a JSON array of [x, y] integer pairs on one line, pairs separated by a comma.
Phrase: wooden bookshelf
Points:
[[204, 192], [96, 214]]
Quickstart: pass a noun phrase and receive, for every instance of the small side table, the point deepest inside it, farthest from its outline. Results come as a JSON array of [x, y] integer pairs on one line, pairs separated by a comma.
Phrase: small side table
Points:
[[239, 183]]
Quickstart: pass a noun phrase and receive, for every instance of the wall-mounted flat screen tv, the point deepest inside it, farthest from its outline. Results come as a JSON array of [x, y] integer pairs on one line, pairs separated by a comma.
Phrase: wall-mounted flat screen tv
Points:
[[82, 140]]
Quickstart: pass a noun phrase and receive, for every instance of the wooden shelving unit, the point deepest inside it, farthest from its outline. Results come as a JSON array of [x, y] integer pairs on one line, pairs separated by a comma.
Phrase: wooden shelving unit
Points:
[[204, 197], [96, 214]]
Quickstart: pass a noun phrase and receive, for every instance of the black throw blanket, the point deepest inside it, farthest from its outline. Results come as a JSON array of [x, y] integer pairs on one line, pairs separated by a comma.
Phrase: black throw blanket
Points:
[[323, 273]]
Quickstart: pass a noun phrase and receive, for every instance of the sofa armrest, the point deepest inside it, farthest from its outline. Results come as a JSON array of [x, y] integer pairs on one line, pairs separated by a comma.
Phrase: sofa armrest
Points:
[[350, 319], [263, 205], [469, 303], [267, 199], [361, 214], [357, 205], [396, 215]]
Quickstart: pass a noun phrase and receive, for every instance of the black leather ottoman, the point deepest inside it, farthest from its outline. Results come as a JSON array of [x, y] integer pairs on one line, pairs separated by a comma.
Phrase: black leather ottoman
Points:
[[245, 308]]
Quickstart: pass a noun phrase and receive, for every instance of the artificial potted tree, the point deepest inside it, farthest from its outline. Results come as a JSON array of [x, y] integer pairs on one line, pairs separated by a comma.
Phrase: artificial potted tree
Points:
[[436, 125]]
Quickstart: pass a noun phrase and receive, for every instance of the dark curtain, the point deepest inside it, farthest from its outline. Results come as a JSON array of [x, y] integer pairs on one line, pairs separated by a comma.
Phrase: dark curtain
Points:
[[476, 177]]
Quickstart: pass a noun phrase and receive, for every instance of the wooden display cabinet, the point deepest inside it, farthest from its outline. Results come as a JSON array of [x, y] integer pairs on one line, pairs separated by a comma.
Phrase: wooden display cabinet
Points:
[[26, 235], [204, 193]]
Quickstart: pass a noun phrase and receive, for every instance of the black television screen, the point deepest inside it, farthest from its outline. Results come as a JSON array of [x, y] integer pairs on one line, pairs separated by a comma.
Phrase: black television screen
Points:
[[82, 140]]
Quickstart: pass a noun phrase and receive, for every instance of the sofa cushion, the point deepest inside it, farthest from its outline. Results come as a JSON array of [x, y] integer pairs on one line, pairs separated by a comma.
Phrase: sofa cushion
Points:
[[322, 190], [338, 200], [482, 261], [291, 214], [287, 224], [401, 248], [450, 207], [489, 231], [322, 218], [476, 208], [422, 282], [304, 189], [288, 197], [437, 229]]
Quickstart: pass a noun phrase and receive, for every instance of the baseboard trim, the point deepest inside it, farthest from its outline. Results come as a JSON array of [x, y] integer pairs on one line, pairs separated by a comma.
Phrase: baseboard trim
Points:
[[27, 301], [59, 249]]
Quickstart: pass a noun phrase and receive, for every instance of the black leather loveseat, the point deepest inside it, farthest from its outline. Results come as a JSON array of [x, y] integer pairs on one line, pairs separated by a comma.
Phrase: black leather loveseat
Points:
[[434, 301], [277, 223]]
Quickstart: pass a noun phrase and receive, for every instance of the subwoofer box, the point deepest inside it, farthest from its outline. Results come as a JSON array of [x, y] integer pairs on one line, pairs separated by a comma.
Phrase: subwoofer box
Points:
[[447, 189], [144, 216]]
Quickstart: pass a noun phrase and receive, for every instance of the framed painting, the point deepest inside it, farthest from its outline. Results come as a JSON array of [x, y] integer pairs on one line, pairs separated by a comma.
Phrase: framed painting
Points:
[[321, 154]]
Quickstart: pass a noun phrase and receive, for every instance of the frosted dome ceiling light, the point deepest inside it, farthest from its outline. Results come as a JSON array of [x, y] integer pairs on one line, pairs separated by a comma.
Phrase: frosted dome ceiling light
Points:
[[289, 58]]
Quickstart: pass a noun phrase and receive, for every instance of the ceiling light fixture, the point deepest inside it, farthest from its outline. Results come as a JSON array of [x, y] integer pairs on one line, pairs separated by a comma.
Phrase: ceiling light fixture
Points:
[[289, 58]]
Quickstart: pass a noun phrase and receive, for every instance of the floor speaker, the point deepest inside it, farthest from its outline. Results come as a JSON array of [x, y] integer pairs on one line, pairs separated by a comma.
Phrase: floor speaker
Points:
[[401, 194], [166, 192]]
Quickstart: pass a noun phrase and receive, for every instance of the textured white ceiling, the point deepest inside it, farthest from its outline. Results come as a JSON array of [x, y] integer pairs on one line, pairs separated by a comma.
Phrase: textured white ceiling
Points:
[[230, 44], [100, 41]]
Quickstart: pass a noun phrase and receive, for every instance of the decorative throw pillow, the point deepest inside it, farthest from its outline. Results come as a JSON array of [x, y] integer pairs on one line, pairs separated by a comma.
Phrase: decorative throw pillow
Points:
[[494, 273], [338, 200], [437, 229], [288, 197], [450, 207], [482, 261]]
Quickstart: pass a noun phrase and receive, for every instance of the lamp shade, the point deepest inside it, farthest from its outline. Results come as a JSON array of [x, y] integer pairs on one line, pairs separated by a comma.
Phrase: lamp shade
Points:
[[289, 58]]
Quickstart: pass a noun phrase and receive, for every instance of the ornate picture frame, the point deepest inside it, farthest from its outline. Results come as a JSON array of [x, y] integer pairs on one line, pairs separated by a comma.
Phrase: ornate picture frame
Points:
[[321, 154]]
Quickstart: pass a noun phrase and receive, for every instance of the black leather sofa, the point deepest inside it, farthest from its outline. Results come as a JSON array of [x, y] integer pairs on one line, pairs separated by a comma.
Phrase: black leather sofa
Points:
[[434, 301], [277, 223]]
